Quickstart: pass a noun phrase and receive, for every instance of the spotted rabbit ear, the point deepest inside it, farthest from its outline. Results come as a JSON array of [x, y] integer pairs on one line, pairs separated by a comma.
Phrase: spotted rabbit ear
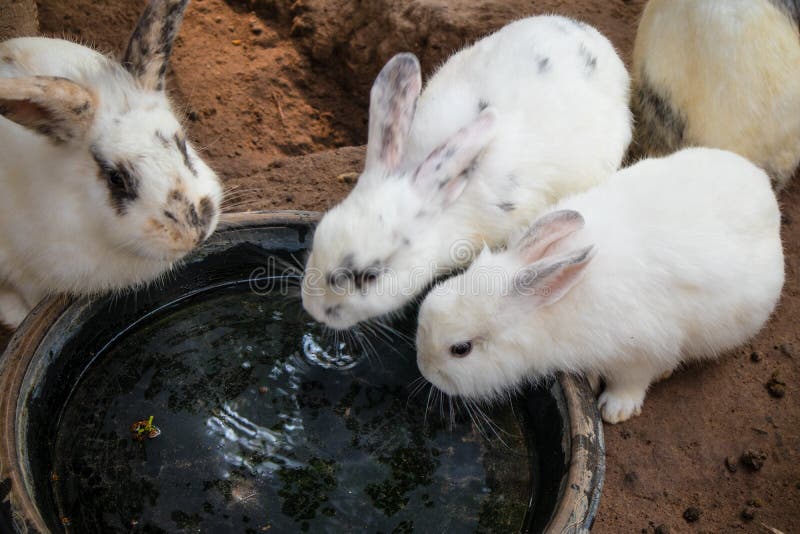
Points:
[[54, 107], [445, 173], [393, 100], [149, 48]]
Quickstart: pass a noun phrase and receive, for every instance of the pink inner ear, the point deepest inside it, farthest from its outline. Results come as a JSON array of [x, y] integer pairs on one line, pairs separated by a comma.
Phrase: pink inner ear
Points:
[[23, 112], [546, 232]]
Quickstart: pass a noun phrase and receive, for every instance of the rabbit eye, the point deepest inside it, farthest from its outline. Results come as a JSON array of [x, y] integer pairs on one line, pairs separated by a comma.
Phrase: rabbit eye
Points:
[[368, 277], [459, 350], [116, 179]]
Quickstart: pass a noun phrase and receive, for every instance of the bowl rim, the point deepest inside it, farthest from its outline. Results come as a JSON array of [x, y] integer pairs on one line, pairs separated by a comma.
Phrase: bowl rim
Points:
[[581, 488]]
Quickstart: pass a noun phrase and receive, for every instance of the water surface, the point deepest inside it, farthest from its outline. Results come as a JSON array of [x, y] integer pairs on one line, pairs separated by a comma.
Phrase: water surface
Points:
[[268, 425]]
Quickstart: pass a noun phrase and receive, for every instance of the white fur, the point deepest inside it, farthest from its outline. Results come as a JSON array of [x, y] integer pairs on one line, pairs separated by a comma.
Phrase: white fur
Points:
[[555, 133], [58, 230], [732, 69], [687, 264]]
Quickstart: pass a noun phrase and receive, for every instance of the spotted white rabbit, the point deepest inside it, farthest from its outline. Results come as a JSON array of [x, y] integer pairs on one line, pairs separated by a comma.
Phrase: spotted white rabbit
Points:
[[505, 127], [99, 187], [720, 74], [671, 260]]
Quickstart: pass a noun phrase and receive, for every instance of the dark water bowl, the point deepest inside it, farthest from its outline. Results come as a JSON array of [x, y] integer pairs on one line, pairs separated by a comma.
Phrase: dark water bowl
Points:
[[266, 421]]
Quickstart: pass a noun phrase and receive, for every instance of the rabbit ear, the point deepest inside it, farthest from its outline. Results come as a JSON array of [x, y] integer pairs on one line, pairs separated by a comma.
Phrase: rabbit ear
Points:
[[444, 175], [548, 280], [150, 45], [547, 230], [55, 107], [393, 100]]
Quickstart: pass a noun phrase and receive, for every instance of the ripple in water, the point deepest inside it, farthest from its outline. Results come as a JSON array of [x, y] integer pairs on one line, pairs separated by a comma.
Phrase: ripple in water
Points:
[[269, 426]]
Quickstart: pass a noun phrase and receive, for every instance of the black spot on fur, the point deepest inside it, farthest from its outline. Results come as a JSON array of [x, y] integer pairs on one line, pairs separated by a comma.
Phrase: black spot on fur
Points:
[[348, 262], [482, 104], [660, 126], [163, 138], [333, 311], [207, 212], [121, 180], [191, 215], [790, 7], [543, 64], [171, 216], [507, 206], [469, 170], [589, 59], [8, 59], [83, 108], [181, 142]]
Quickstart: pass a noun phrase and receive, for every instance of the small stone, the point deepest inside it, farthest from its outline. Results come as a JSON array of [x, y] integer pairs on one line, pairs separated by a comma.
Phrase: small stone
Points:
[[775, 386], [691, 514], [347, 177], [755, 356], [662, 529], [755, 503], [786, 349], [748, 514], [731, 464], [236, 42], [754, 459]]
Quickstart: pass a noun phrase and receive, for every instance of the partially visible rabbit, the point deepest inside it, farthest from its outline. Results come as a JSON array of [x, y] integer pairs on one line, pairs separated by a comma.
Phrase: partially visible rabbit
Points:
[[505, 127], [671, 260], [720, 74], [99, 187]]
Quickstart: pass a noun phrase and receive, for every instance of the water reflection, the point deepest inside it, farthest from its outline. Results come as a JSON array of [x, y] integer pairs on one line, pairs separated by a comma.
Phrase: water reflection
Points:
[[266, 424]]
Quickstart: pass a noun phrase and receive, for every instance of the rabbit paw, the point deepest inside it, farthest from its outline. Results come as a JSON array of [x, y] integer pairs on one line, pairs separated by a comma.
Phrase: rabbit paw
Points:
[[616, 407]]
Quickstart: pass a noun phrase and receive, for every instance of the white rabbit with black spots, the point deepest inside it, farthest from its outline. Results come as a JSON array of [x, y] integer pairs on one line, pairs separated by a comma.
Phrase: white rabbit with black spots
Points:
[[671, 260], [506, 127], [99, 187]]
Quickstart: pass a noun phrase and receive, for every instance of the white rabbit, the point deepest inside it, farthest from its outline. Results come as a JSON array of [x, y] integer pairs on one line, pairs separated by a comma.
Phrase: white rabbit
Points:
[[99, 188], [680, 258], [720, 74], [504, 128]]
